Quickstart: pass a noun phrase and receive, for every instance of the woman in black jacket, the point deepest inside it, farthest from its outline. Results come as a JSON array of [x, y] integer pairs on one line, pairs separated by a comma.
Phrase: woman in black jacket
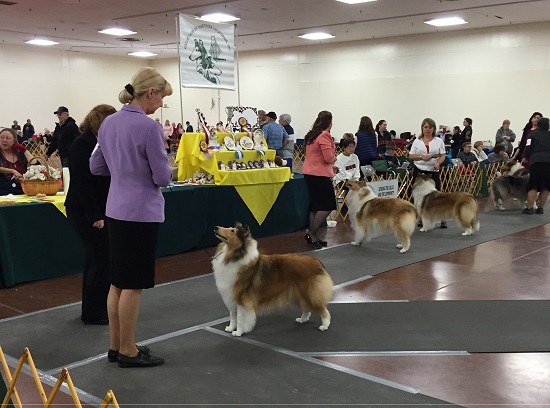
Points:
[[537, 153], [85, 204]]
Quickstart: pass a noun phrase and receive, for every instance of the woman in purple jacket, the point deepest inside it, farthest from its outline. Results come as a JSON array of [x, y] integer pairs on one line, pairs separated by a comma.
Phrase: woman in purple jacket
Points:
[[131, 150]]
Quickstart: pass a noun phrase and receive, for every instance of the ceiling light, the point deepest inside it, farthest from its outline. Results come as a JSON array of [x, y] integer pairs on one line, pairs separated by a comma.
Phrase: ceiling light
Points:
[[355, 1], [316, 36], [447, 21], [142, 54], [218, 18], [38, 41], [117, 31]]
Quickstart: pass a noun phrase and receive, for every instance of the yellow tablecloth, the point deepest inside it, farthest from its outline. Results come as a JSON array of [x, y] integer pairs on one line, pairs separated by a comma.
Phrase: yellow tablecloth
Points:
[[57, 200], [258, 188], [191, 159]]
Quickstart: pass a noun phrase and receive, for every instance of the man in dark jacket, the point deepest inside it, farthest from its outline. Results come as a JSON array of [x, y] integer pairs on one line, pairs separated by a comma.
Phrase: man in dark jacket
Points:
[[64, 135], [28, 131]]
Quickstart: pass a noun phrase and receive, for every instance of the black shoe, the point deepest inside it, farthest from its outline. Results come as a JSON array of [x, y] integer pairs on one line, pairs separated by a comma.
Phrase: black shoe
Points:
[[99, 322], [113, 354], [539, 210], [312, 242], [419, 224], [528, 211], [141, 360], [323, 243], [443, 224]]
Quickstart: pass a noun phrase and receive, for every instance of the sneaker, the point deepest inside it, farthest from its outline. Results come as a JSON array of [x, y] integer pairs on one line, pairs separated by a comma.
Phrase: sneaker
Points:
[[539, 210], [141, 360], [528, 211], [443, 224], [112, 355]]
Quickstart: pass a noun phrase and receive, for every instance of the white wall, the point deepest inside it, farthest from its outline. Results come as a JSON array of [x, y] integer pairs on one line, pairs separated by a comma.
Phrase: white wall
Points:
[[488, 75], [36, 81]]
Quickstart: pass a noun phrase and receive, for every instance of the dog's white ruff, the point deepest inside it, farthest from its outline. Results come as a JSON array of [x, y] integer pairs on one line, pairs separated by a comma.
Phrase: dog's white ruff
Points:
[[240, 320]]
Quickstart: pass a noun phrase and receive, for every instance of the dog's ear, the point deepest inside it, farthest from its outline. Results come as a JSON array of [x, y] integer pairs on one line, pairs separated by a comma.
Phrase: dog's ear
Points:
[[362, 183], [238, 224]]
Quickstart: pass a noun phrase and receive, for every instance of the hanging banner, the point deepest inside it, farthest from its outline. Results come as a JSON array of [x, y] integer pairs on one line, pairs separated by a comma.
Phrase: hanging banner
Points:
[[206, 53]]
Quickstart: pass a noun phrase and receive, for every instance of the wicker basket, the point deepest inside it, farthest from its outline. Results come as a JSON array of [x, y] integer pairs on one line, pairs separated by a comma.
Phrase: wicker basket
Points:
[[49, 186], [34, 187]]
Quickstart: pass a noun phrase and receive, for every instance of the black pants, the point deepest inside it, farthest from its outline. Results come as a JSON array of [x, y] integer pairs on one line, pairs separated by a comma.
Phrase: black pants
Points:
[[95, 276], [433, 174]]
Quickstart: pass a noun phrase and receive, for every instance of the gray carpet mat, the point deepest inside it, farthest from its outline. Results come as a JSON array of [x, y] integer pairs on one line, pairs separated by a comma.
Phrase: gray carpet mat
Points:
[[473, 326], [208, 368], [346, 262], [51, 335]]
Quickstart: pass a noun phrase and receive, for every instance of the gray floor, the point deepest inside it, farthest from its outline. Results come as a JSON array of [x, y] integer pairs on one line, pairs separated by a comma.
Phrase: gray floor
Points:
[[183, 322], [380, 254]]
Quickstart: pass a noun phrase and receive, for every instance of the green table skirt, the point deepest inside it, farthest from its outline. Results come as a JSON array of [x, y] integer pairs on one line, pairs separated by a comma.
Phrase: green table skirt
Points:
[[37, 242]]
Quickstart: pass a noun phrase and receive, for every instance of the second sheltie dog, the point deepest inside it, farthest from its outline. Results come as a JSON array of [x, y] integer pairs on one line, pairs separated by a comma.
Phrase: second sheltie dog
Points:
[[370, 214], [434, 206], [504, 187], [250, 282]]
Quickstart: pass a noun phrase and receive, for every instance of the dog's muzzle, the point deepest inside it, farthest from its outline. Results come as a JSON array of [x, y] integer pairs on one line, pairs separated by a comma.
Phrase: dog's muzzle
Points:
[[218, 235]]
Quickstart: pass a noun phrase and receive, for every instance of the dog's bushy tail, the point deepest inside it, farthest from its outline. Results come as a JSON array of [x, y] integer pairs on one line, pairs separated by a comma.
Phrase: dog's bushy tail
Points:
[[468, 214]]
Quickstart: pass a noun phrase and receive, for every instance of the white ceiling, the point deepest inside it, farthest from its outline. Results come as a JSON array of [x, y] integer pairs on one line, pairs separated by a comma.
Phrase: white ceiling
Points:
[[263, 24]]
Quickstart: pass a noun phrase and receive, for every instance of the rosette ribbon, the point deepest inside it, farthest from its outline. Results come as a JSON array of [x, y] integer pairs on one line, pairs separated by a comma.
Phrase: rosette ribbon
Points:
[[239, 154], [204, 149]]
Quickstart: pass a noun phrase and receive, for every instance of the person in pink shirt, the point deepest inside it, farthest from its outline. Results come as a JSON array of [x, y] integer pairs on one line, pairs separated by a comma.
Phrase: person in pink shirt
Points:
[[318, 172]]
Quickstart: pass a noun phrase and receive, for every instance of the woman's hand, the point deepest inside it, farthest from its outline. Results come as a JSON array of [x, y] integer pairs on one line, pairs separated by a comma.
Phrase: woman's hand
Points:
[[335, 169], [436, 166], [16, 174], [99, 224]]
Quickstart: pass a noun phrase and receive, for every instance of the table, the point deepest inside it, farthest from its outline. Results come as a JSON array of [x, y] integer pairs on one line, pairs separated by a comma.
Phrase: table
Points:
[[191, 159], [258, 188], [37, 242]]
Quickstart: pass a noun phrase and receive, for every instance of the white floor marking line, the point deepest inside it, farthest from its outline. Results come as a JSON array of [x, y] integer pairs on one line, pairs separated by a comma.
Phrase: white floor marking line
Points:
[[316, 361], [152, 340], [7, 319], [351, 282], [386, 353]]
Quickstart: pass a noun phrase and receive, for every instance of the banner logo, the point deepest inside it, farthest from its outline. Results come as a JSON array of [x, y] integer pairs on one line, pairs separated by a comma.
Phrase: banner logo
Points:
[[206, 53]]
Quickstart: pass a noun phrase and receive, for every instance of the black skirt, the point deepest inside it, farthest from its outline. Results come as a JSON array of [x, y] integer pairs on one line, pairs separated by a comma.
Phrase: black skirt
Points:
[[321, 193], [133, 248], [539, 176]]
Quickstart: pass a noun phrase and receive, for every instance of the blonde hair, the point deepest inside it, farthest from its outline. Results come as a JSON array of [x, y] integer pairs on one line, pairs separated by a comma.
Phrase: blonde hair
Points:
[[477, 144], [348, 136], [144, 79]]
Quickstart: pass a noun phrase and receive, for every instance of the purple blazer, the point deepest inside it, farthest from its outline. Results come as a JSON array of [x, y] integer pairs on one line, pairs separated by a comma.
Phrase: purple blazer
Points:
[[131, 150]]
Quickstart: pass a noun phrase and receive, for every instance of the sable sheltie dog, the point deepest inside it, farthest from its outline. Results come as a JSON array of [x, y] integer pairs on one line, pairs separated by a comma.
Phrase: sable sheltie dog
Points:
[[371, 215], [504, 187], [434, 206], [250, 282]]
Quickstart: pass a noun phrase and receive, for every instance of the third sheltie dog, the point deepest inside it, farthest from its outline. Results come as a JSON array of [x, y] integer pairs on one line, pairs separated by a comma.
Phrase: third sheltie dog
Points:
[[250, 282], [434, 206], [370, 214], [514, 168]]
